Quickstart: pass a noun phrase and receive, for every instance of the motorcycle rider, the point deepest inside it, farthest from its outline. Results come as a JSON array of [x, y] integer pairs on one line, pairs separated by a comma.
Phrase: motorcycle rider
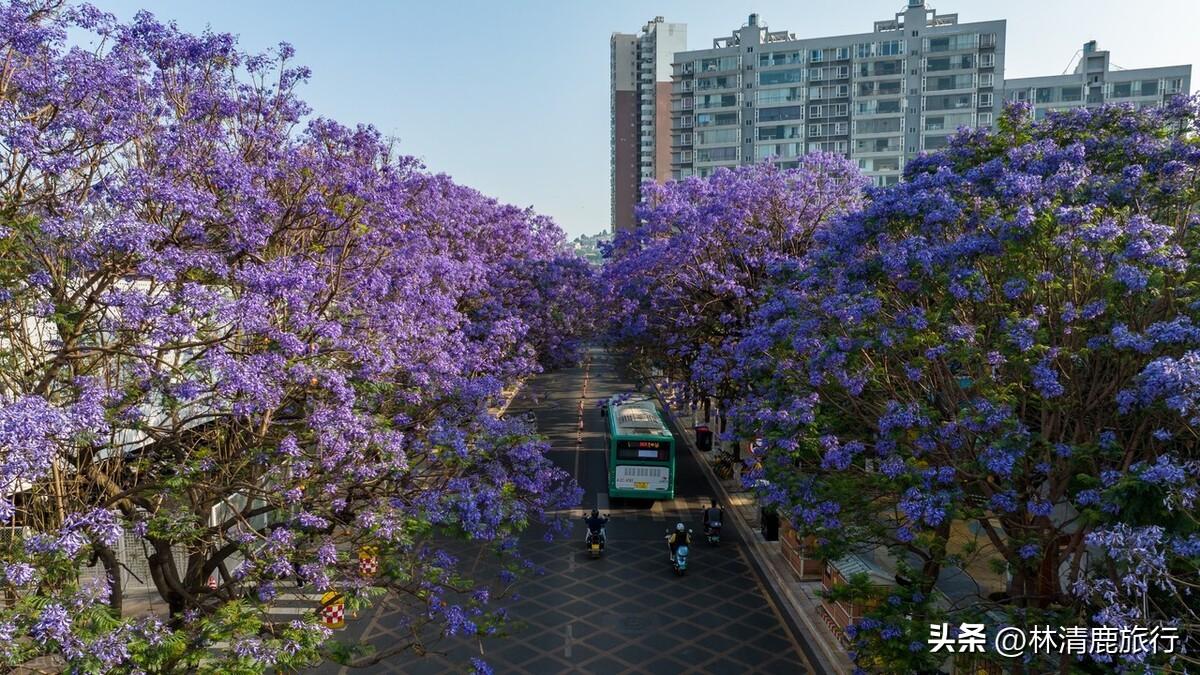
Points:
[[595, 524], [680, 537], [713, 517]]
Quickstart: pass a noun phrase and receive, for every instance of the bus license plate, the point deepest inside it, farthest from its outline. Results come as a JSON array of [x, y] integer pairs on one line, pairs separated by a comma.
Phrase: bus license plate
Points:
[[640, 485]]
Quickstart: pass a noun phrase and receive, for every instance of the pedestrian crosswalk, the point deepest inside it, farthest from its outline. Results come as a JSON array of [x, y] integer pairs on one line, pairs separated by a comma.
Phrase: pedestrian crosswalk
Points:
[[659, 510]]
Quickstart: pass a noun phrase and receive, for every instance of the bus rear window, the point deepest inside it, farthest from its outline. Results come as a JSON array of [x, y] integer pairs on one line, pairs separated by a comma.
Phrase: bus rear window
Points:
[[643, 450]]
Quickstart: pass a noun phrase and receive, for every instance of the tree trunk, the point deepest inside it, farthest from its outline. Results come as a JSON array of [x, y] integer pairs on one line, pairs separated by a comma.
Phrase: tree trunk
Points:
[[166, 578], [113, 569]]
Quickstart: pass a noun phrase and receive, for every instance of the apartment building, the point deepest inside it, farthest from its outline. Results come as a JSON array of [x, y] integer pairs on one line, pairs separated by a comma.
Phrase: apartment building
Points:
[[640, 106], [1096, 81], [877, 97]]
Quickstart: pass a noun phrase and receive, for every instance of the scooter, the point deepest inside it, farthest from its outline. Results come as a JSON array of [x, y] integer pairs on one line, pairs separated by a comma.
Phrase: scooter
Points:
[[679, 559], [713, 532], [595, 541]]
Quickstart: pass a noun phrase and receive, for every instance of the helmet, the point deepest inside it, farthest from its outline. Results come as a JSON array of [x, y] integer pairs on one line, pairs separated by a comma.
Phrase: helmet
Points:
[[679, 527], [595, 513]]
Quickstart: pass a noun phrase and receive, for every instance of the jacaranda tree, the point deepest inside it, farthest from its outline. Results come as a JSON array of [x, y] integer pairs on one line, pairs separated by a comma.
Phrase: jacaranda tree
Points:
[[242, 344], [683, 286], [998, 360]]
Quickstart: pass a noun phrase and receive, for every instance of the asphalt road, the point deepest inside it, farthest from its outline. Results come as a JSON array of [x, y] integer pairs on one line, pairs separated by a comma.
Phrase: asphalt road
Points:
[[625, 612]]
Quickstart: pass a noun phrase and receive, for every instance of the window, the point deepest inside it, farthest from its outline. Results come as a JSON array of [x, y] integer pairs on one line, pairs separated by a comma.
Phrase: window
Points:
[[881, 88], [814, 55], [894, 67], [891, 144], [880, 164], [951, 42], [950, 102], [779, 58], [985, 119], [958, 62], [986, 79], [1149, 87], [878, 126], [935, 142], [792, 112], [716, 119], [780, 132], [1174, 86], [781, 76], [888, 106], [947, 82], [778, 150], [842, 53], [718, 63], [1071, 94], [716, 154], [948, 122], [1043, 95], [716, 100], [1122, 89], [985, 100], [986, 60], [891, 47], [717, 136], [828, 146], [706, 83], [770, 96], [879, 106]]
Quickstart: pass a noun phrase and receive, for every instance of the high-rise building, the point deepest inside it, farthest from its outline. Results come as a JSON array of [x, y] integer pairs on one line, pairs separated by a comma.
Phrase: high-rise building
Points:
[[640, 104], [877, 97], [1095, 82]]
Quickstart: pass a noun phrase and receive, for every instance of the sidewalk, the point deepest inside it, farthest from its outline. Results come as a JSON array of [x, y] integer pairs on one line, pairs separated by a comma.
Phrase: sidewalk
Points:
[[798, 598]]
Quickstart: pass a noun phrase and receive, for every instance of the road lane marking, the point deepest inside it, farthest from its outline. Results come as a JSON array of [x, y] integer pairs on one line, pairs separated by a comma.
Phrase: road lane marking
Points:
[[587, 365]]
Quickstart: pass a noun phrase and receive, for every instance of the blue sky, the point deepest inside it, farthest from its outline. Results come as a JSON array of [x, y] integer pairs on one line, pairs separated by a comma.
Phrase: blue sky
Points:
[[511, 96]]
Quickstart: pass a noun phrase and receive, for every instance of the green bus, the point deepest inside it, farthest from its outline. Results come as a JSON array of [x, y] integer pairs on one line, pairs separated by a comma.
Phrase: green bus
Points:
[[641, 449]]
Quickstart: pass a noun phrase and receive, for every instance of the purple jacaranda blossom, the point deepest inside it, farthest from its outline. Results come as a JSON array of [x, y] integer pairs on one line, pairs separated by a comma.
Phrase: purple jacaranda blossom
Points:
[[53, 623], [281, 320], [19, 574], [1008, 331]]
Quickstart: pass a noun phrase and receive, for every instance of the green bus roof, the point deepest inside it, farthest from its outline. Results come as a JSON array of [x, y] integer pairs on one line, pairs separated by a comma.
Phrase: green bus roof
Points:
[[637, 418]]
